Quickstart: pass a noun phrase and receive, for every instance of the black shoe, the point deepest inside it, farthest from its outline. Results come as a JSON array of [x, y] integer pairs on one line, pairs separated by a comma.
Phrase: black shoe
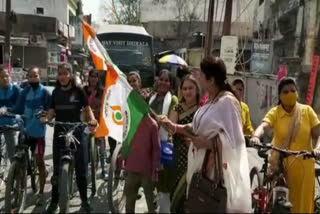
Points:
[[85, 208], [53, 207]]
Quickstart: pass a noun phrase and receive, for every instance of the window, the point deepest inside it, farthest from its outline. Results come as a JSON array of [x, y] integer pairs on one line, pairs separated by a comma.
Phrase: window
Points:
[[1, 55], [71, 18], [40, 11]]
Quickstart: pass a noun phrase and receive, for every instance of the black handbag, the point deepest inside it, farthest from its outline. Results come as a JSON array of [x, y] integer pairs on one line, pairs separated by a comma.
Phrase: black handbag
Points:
[[205, 195]]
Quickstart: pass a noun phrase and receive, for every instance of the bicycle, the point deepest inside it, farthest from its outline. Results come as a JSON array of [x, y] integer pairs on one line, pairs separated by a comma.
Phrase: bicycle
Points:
[[317, 197], [116, 182], [271, 193], [66, 176], [23, 164], [3, 153]]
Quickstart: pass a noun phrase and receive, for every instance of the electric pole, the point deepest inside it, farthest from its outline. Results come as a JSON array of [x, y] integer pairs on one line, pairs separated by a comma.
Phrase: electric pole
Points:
[[209, 36], [227, 19], [7, 51]]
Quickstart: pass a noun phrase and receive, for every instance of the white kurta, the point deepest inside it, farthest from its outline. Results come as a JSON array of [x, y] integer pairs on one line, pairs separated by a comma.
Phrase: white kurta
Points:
[[223, 118]]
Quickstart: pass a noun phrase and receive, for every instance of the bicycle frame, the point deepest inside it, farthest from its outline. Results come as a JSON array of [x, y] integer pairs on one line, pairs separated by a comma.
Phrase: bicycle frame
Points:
[[266, 200], [260, 195]]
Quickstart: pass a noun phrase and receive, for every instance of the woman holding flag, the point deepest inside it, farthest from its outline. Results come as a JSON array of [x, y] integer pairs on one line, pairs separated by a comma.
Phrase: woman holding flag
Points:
[[162, 103]]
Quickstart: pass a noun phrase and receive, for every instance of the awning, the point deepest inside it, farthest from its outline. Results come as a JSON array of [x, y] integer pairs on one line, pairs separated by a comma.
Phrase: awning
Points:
[[22, 41]]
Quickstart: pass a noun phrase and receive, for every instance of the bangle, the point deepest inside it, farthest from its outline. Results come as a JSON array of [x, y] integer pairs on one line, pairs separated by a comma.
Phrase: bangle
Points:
[[175, 129]]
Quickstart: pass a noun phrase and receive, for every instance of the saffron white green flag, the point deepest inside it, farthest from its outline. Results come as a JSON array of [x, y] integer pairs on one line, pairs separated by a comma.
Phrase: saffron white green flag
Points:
[[122, 107]]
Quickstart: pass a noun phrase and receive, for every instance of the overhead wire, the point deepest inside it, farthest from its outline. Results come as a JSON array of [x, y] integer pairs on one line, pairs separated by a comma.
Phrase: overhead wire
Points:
[[242, 42], [242, 12], [248, 21], [260, 38], [222, 11]]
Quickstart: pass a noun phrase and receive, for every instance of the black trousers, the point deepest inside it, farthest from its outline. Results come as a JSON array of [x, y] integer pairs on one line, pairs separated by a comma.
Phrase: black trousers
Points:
[[112, 145], [81, 166]]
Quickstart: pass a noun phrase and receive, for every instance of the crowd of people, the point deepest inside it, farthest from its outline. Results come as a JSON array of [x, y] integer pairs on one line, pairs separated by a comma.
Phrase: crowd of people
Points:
[[203, 118]]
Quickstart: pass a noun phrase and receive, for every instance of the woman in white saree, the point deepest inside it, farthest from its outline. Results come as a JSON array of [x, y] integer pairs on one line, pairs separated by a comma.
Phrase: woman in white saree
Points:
[[220, 116]]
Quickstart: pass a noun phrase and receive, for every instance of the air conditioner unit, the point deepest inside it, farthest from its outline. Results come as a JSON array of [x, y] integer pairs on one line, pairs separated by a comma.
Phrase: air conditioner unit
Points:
[[36, 39], [33, 39]]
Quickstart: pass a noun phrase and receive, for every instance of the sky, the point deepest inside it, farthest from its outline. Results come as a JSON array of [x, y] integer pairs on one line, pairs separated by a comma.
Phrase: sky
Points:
[[91, 6]]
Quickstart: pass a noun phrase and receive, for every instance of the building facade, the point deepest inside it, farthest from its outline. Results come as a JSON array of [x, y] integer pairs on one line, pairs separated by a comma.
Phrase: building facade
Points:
[[177, 24], [43, 33], [291, 27]]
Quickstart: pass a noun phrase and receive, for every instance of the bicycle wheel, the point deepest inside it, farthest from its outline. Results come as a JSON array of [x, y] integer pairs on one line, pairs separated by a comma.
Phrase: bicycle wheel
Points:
[[116, 181], [94, 165], [71, 182], [64, 187], [256, 187], [35, 182], [16, 187], [3, 159], [317, 197]]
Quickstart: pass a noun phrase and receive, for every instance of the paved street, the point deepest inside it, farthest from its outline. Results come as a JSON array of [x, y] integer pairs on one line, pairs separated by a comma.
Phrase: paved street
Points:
[[99, 202]]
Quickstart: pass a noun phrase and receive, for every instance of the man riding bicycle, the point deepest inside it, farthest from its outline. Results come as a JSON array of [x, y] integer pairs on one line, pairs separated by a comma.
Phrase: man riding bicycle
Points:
[[67, 102]]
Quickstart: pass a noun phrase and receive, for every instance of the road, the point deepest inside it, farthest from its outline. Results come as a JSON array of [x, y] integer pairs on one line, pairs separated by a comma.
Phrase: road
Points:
[[99, 202]]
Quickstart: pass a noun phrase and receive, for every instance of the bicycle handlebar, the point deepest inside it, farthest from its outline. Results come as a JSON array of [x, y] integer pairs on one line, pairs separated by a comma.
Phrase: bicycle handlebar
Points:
[[9, 127], [17, 116], [303, 153], [76, 124]]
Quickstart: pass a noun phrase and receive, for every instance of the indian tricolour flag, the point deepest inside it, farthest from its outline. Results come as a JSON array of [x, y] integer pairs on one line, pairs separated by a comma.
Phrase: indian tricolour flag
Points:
[[122, 107]]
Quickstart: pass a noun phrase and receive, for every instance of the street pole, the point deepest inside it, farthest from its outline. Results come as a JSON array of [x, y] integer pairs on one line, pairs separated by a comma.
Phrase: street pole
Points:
[[227, 19], [7, 52], [209, 36]]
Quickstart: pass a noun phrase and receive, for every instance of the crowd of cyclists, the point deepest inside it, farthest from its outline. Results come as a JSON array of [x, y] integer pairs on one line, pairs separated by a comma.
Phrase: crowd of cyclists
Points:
[[204, 110]]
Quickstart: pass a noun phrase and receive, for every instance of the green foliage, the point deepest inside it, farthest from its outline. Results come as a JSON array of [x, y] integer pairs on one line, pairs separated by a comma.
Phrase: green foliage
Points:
[[123, 12]]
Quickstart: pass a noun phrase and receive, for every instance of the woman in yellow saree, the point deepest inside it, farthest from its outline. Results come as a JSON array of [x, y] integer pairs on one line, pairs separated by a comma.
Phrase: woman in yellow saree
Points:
[[294, 127]]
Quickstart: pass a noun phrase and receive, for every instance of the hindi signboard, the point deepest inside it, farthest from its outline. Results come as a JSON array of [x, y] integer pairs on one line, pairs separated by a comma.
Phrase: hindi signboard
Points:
[[228, 52], [260, 62]]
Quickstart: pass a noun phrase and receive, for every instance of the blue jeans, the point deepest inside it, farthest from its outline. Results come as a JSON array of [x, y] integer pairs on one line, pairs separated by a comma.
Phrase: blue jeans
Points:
[[11, 139]]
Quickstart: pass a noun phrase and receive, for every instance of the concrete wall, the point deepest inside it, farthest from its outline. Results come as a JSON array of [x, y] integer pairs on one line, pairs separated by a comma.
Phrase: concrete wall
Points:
[[168, 11], [260, 94], [52, 8], [168, 29]]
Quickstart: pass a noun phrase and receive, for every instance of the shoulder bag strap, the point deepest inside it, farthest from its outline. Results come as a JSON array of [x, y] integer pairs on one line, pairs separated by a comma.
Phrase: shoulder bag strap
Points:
[[218, 157]]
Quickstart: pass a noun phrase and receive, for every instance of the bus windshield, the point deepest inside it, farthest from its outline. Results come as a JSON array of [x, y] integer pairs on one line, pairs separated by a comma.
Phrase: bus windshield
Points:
[[128, 53]]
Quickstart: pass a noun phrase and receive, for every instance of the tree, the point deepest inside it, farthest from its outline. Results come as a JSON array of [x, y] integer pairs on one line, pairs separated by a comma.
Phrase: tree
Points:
[[123, 12], [185, 17]]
